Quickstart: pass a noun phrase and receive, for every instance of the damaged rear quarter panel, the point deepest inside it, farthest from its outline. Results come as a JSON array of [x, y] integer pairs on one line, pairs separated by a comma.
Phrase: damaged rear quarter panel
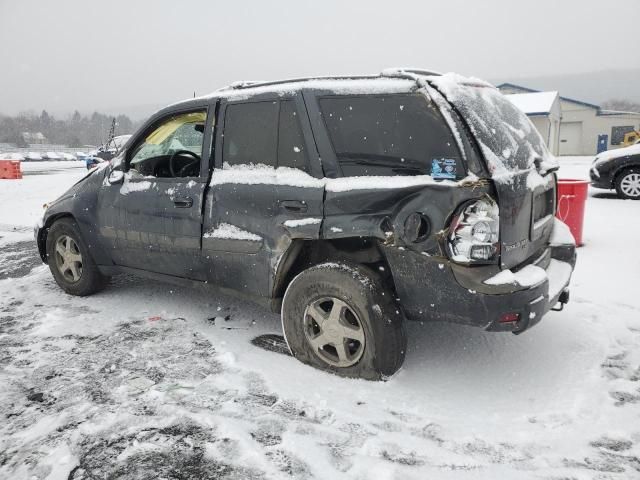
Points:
[[382, 214]]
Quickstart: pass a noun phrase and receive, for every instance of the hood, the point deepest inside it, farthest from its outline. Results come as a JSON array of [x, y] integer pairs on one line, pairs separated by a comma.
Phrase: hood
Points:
[[604, 157]]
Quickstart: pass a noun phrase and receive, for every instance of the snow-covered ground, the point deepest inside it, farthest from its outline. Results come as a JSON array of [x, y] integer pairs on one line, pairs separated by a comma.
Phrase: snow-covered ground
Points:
[[147, 380]]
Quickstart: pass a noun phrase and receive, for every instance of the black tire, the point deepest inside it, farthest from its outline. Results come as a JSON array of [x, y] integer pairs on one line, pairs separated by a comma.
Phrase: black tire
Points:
[[89, 280], [367, 304], [623, 190]]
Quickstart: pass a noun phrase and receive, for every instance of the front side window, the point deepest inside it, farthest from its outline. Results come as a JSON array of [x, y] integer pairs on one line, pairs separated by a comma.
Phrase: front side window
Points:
[[172, 149], [396, 134]]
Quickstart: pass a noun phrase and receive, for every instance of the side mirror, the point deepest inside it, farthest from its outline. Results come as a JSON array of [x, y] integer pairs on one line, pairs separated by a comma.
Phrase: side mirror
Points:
[[116, 176]]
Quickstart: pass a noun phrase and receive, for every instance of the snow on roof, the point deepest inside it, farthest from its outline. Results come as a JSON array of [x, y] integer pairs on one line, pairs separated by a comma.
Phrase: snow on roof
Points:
[[530, 103], [339, 85]]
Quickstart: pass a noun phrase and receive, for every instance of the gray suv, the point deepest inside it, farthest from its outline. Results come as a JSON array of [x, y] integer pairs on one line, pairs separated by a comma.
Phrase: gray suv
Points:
[[350, 205]]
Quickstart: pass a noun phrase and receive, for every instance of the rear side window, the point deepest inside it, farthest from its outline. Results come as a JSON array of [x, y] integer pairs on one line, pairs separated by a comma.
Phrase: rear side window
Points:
[[397, 134], [267, 133], [251, 133], [291, 151]]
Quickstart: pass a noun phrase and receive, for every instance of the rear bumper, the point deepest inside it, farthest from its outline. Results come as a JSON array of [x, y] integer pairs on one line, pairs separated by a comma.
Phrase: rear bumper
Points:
[[430, 288]]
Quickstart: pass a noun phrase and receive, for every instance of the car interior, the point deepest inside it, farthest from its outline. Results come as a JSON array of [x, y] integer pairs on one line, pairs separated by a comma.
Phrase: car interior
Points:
[[172, 149]]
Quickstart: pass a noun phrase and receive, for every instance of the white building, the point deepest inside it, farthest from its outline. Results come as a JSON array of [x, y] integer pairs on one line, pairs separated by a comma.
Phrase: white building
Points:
[[543, 109], [585, 128]]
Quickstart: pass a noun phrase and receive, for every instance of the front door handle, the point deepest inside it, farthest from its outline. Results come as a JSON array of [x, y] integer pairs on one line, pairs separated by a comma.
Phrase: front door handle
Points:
[[293, 205], [186, 202]]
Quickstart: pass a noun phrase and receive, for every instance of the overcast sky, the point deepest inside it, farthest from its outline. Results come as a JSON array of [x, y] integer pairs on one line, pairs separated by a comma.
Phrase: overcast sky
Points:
[[78, 54]]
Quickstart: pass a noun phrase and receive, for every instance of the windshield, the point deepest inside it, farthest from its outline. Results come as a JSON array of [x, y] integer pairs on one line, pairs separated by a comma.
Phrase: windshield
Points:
[[508, 139]]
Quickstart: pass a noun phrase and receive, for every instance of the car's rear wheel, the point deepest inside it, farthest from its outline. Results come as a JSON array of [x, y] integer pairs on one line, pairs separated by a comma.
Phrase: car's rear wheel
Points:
[[341, 318], [70, 262], [628, 184]]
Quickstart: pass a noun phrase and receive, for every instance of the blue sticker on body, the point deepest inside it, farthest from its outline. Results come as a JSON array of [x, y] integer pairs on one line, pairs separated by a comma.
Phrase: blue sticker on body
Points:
[[443, 168]]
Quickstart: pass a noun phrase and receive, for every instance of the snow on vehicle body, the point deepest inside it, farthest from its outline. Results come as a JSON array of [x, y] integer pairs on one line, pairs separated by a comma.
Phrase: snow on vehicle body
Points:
[[346, 203]]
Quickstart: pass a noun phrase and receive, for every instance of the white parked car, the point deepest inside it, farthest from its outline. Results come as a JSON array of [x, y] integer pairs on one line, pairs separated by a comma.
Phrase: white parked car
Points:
[[33, 156], [51, 156], [11, 156]]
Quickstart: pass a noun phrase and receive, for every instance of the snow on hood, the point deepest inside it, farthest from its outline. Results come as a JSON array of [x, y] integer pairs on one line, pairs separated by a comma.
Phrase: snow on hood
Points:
[[617, 153], [509, 141]]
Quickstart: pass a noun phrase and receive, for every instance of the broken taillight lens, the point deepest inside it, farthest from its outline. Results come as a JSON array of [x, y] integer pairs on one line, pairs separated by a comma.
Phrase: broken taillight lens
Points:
[[474, 232]]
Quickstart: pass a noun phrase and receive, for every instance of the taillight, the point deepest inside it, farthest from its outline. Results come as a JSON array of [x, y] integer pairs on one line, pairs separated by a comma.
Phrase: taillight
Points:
[[474, 232]]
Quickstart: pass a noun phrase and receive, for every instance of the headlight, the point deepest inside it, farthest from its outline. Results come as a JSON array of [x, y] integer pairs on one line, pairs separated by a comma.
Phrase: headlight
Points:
[[474, 232]]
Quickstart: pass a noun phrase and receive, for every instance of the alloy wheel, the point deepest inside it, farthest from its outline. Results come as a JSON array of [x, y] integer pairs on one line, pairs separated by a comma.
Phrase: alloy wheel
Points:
[[630, 184], [68, 259], [334, 332]]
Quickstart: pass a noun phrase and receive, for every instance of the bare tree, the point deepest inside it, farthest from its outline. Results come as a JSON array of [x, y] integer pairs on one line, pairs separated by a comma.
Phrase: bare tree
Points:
[[621, 105]]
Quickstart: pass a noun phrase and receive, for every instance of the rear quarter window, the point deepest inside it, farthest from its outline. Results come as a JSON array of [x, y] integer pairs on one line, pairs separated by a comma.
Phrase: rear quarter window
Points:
[[395, 134]]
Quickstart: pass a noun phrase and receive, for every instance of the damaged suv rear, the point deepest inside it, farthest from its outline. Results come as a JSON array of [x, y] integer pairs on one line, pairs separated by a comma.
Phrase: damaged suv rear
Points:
[[346, 204]]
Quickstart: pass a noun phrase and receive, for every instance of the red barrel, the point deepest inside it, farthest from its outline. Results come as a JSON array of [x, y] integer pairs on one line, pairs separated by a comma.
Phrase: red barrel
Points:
[[572, 196]]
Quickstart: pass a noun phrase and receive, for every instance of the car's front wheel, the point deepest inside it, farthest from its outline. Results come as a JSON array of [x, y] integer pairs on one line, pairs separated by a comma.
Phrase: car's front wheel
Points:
[[340, 318], [70, 262], [628, 184]]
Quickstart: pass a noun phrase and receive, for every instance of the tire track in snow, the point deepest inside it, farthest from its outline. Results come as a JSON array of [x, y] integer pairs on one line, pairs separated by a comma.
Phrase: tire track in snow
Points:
[[92, 393]]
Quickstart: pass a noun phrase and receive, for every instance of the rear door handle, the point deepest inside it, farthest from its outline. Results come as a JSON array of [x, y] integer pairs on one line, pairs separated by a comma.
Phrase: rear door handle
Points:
[[293, 205], [186, 202]]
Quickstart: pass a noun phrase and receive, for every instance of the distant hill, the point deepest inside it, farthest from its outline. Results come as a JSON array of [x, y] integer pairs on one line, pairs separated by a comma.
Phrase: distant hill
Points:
[[592, 87]]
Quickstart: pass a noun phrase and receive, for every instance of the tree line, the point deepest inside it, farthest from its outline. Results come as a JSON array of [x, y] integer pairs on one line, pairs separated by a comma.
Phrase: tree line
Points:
[[75, 131], [621, 105]]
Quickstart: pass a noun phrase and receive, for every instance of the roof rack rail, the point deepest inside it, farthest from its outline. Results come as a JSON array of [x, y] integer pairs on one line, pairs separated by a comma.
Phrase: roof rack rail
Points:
[[242, 85], [399, 72], [389, 72]]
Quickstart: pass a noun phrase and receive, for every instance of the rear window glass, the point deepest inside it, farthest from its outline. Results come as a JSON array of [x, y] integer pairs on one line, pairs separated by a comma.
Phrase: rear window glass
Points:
[[507, 138], [251, 133], [393, 134]]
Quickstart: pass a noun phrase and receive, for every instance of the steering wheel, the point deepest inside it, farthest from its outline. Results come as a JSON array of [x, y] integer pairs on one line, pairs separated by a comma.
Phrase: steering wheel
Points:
[[182, 152]]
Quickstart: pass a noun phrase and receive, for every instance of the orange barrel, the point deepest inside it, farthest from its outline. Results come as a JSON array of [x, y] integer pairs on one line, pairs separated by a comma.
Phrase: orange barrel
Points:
[[572, 197], [10, 169]]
